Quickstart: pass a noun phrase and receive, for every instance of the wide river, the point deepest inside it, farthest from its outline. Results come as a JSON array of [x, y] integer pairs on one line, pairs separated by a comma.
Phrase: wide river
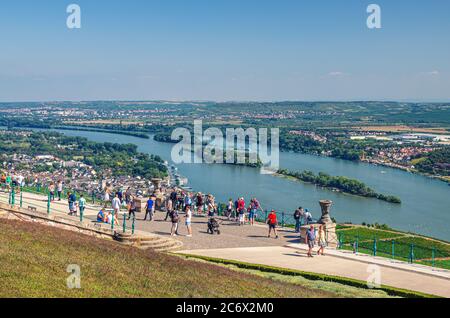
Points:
[[425, 207]]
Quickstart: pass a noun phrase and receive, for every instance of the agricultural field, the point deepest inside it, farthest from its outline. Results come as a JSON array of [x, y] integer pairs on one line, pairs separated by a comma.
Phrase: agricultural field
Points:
[[396, 245]]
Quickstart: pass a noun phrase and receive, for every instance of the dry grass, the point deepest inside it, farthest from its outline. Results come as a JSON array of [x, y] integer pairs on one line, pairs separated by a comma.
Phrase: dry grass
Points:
[[34, 259]]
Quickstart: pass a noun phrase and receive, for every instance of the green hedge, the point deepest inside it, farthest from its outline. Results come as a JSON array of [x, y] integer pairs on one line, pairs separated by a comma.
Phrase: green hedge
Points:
[[392, 291]]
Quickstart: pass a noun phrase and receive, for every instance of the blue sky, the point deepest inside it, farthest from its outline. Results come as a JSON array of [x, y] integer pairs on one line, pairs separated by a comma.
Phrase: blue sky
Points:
[[224, 50]]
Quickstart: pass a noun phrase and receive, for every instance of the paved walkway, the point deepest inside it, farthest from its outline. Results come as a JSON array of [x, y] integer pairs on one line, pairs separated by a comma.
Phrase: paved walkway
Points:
[[296, 258]]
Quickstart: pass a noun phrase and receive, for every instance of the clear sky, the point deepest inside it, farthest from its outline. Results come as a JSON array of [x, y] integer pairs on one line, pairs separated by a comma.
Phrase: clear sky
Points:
[[224, 50]]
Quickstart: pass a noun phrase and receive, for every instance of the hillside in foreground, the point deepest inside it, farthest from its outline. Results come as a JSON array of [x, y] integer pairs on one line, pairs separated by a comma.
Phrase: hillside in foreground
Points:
[[34, 260]]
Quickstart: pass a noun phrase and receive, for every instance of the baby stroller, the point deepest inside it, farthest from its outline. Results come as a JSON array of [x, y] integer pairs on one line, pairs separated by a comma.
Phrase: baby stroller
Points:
[[213, 226]]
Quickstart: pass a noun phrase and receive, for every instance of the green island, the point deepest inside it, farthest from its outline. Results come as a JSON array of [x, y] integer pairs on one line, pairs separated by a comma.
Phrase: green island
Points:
[[343, 184]]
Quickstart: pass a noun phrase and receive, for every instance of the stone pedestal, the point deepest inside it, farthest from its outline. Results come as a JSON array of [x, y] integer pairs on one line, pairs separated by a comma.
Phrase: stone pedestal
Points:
[[140, 204], [159, 196], [325, 220]]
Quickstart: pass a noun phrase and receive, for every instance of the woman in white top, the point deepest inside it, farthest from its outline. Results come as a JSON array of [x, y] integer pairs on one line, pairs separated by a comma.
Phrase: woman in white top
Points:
[[188, 220]]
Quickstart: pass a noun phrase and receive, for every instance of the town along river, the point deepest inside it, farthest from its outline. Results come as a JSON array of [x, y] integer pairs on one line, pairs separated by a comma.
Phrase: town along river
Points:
[[425, 207]]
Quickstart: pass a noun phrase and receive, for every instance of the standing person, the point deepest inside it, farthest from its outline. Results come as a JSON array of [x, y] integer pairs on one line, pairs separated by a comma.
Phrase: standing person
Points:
[[149, 209], [180, 202], [272, 222], [188, 217], [59, 189], [241, 210], [229, 208], [72, 203], [310, 239], [298, 214], [236, 209], [307, 217], [200, 203], [81, 204], [131, 207], [128, 195], [322, 240], [51, 189], [169, 209], [174, 218], [187, 200], [116, 205], [254, 207], [106, 198], [173, 197]]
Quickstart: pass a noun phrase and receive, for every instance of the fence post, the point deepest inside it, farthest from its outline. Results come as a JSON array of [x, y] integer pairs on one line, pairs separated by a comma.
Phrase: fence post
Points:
[[48, 204], [434, 256], [265, 215], [13, 196], [93, 197], [282, 219], [393, 249], [340, 241], [411, 254], [375, 247], [132, 225], [9, 197], [124, 223], [21, 197], [112, 219], [357, 244]]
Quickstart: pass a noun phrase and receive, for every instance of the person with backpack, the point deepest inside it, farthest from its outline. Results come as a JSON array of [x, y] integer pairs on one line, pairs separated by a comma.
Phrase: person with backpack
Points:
[[298, 215], [175, 218], [72, 203], [307, 217], [272, 222]]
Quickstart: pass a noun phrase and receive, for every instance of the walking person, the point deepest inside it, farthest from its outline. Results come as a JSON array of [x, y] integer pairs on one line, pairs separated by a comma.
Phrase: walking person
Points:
[[174, 218], [149, 209], [188, 218], [311, 240], [272, 222], [200, 203], [229, 208], [131, 207], [254, 207], [322, 240], [298, 215], [81, 204], [51, 189], [169, 209], [59, 189], [116, 204], [72, 203]]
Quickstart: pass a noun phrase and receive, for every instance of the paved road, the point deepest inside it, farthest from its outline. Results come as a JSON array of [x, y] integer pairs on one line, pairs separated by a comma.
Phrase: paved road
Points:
[[288, 257]]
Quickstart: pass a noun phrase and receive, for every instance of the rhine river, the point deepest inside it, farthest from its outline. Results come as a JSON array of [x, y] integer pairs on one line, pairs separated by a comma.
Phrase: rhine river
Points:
[[425, 207]]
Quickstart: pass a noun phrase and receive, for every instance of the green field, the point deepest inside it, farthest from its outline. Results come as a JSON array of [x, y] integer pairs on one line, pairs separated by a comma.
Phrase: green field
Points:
[[34, 260]]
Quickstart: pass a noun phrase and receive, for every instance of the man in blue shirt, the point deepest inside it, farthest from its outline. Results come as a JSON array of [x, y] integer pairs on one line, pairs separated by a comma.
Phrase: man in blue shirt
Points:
[[149, 209]]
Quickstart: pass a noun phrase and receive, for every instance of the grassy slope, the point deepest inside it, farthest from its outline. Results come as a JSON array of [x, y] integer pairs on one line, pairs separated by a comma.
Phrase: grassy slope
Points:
[[34, 259]]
